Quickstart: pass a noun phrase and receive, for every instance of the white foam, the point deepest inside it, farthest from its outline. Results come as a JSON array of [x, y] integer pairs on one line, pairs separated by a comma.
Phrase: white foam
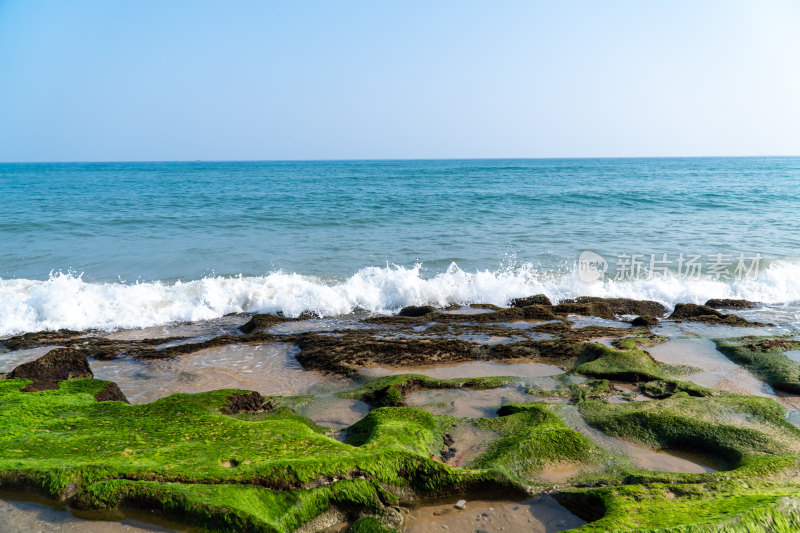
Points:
[[66, 301]]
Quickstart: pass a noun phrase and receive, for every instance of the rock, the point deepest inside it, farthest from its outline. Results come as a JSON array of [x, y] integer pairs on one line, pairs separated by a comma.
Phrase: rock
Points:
[[624, 306], [247, 402], [646, 321], [308, 315], [262, 321], [111, 393], [416, 310], [598, 309], [461, 505], [703, 313], [538, 299], [539, 312], [727, 303], [56, 365]]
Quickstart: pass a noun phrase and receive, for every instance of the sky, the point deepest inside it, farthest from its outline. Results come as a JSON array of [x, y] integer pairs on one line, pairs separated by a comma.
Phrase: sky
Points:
[[233, 80]]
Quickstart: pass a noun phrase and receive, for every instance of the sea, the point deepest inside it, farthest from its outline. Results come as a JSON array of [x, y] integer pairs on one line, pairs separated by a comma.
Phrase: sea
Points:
[[124, 245]]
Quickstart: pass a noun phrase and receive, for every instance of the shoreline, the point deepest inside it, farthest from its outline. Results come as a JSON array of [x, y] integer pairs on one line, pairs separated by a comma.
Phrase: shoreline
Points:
[[535, 398]]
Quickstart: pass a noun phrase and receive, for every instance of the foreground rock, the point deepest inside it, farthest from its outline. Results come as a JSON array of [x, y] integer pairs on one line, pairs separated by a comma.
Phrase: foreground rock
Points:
[[57, 365]]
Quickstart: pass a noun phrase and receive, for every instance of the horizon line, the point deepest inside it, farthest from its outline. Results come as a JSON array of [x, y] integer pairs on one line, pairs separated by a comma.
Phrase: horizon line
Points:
[[387, 159]]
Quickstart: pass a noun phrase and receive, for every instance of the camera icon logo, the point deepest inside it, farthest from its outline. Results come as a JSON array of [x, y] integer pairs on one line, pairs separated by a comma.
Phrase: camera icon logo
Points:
[[591, 266]]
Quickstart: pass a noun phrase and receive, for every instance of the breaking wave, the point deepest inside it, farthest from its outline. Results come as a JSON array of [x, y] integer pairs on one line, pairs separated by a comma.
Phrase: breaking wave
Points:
[[67, 301]]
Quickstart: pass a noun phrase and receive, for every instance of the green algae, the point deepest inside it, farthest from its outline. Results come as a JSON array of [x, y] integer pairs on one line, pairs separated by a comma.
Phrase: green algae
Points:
[[765, 357], [625, 365], [731, 427], [275, 471], [532, 438], [63, 442]]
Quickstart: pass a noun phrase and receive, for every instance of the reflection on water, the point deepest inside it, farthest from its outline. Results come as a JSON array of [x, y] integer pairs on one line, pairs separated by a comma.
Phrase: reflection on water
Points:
[[332, 411], [270, 369]]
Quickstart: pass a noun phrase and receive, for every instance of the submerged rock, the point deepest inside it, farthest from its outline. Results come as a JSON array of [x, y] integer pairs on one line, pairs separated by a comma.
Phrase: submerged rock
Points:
[[538, 299], [56, 365]]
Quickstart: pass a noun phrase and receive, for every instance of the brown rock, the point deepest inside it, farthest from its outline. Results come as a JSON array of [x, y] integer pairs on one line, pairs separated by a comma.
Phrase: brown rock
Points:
[[538, 299], [56, 365]]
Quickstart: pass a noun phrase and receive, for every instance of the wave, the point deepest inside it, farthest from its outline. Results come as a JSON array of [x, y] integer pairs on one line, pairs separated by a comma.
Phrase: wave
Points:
[[67, 301]]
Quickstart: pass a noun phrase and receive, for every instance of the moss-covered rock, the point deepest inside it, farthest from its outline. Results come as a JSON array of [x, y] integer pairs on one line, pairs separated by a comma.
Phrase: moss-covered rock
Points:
[[765, 357]]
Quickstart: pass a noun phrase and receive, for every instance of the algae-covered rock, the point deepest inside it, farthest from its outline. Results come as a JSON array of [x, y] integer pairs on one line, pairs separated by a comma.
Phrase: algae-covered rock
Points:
[[765, 357], [538, 299], [416, 310], [728, 303], [646, 321], [247, 402], [624, 306], [598, 309], [703, 313], [262, 321], [57, 365], [111, 393]]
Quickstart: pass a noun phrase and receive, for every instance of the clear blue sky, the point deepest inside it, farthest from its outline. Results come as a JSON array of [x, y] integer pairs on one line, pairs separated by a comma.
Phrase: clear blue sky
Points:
[[177, 80]]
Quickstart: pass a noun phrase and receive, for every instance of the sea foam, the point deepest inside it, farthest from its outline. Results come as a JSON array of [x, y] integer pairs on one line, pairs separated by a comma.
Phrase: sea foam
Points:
[[67, 301]]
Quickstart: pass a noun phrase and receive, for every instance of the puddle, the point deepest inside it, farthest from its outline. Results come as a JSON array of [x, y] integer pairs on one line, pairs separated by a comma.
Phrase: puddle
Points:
[[473, 369], [334, 412], [527, 324], [490, 340], [537, 515], [718, 372], [214, 327], [794, 355], [24, 512], [580, 321], [466, 403], [659, 460], [467, 311], [710, 331], [11, 360], [469, 443], [270, 369], [321, 324]]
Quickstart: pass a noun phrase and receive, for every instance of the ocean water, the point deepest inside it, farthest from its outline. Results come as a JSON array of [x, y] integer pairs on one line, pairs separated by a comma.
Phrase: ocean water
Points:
[[113, 245]]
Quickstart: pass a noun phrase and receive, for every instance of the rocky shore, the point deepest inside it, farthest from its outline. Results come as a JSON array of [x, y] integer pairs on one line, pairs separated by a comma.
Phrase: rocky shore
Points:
[[588, 413]]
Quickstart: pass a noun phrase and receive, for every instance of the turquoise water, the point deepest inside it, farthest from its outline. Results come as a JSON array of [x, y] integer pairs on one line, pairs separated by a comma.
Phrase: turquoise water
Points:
[[85, 243]]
